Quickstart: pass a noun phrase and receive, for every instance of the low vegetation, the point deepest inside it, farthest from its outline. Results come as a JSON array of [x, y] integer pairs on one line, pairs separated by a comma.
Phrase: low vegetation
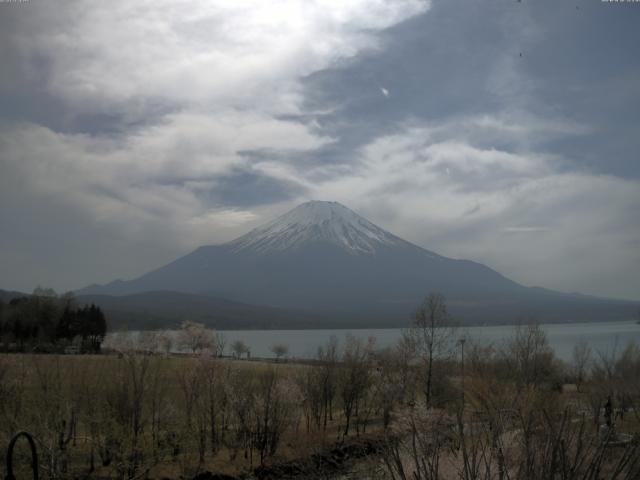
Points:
[[437, 407]]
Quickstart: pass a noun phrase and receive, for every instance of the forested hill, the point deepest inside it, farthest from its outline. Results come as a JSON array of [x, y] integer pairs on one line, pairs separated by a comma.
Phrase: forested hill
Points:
[[164, 309], [47, 322]]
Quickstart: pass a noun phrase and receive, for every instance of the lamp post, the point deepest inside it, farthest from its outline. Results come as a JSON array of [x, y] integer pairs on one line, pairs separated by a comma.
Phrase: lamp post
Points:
[[462, 341]]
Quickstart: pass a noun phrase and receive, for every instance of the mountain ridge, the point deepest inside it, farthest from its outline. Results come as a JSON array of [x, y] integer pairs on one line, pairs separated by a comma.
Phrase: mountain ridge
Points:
[[168, 309], [323, 257]]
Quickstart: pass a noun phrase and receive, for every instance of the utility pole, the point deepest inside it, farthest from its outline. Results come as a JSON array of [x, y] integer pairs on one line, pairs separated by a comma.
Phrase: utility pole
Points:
[[462, 341]]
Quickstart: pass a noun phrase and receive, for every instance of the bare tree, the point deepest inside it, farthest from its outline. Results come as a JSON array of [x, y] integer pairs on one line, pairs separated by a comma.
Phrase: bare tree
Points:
[[123, 415], [279, 350], [55, 412], [402, 357], [272, 411], [580, 362], [157, 401], [221, 343], [415, 447], [354, 376], [12, 386], [627, 370], [432, 332], [310, 386], [239, 348], [214, 376], [165, 342], [241, 391], [192, 382], [196, 337], [389, 382], [148, 341], [328, 357], [528, 355]]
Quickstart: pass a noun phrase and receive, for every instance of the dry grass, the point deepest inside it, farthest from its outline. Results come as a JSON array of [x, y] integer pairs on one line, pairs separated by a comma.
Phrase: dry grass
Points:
[[45, 394], [174, 416]]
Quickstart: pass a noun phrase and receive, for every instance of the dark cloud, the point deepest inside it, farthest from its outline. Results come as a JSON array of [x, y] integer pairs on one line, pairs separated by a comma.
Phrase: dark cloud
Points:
[[582, 67], [245, 189], [434, 66]]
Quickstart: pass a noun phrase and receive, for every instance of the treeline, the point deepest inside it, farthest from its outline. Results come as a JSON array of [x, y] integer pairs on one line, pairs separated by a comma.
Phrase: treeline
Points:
[[47, 322]]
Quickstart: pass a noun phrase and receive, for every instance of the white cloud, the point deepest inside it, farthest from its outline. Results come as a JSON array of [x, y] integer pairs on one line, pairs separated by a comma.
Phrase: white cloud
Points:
[[149, 171], [525, 229], [201, 83], [223, 218], [246, 53], [520, 211], [228, 71]]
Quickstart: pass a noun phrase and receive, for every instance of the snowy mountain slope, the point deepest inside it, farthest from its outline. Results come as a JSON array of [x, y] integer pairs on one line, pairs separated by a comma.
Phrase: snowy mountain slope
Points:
[[323, 257], [323, 222], [319, 254]]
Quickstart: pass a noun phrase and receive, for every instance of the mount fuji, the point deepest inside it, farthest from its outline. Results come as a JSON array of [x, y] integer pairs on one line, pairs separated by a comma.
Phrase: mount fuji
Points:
[[322, 257]]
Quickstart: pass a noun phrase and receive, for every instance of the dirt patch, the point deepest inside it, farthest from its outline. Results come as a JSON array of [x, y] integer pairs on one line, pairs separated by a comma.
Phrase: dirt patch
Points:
[[322, 464], [329, 463]]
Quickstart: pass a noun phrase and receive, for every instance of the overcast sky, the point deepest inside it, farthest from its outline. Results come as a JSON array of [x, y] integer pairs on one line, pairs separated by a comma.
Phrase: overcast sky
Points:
[[500, 131]]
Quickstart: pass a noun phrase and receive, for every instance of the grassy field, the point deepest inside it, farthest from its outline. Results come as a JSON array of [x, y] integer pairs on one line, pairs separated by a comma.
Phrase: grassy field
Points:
[[518, 411], [161, 416]]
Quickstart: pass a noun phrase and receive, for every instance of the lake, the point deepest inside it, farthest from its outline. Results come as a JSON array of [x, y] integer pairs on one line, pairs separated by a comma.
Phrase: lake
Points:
[[602, 337]]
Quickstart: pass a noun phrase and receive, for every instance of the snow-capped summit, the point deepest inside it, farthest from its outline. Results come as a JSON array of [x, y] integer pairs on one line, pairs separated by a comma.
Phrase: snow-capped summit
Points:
[[323, 258], [321, 222]]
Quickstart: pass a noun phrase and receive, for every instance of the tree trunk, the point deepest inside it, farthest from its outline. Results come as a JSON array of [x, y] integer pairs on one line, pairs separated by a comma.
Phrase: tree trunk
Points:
[[429, 374]]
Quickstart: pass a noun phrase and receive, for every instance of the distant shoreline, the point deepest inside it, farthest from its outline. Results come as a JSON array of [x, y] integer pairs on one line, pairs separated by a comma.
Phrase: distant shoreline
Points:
[[373, 327]]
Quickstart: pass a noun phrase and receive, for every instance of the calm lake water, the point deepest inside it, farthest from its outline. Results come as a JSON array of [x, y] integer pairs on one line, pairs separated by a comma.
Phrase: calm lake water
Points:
[[602, 337]]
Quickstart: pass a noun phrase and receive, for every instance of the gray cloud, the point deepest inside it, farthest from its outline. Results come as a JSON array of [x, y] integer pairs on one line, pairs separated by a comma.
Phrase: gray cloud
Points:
[[127, 130], [501, 132], [521, 212]]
